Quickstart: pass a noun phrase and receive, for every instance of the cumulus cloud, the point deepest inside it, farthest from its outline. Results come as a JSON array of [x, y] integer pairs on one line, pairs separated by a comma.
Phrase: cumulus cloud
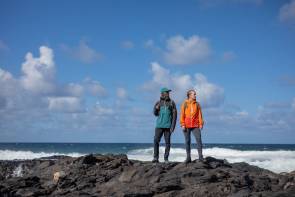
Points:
[[179, 50], [100, 109], [65, 104], [74, 89], [37, 86], [83, 52], [276, 116], [287, 12], [38, 73], [209, 94], [94, 87], [183, 51], [37, 102], [7, 83]]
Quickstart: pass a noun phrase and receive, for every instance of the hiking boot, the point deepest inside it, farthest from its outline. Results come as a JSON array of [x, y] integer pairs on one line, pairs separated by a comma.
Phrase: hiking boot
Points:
[[188, 160], [155, 160]]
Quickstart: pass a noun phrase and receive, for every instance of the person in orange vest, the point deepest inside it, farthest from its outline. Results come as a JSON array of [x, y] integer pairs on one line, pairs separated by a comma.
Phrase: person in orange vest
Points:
[[191, 121]]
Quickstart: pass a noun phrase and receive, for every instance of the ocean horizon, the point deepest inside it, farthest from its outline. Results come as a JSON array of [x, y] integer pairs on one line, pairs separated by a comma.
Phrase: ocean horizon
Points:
[[275, 157]]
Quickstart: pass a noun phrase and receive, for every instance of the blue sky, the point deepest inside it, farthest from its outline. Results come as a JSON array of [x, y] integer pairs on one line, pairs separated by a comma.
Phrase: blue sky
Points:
[[91, 71]]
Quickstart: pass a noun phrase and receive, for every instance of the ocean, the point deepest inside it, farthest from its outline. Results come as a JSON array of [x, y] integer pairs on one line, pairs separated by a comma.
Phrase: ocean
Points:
[[275, 157]]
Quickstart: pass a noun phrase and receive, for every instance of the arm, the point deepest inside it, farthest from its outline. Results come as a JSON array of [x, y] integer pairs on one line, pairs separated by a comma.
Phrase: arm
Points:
[[182, 115], [174, 117], [157, 108], [201, 121]]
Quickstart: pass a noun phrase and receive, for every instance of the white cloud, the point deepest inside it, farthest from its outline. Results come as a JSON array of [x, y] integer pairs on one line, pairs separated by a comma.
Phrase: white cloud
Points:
[[182, 51], [9, 87], [65, 104], [5, 76], [276, 116], [94, 87], [127, 44], [37, 87], [209, 94], [287, 12], [74, 89], [160, 74], [83, 52], [102, 110], [39, 72]]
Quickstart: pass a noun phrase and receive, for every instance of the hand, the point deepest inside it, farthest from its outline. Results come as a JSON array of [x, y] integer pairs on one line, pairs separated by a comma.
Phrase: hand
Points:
[[183, 128], [158, 106]]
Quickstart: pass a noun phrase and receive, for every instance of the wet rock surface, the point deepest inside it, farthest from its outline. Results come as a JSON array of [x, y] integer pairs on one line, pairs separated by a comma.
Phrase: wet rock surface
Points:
[[115, 175]]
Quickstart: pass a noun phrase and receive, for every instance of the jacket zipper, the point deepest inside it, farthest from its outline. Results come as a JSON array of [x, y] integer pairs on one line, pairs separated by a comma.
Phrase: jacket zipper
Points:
[[191, 116]]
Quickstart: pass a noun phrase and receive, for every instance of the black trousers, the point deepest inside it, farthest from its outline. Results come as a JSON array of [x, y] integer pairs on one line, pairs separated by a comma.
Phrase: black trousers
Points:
[[157, 138], [197, 133]]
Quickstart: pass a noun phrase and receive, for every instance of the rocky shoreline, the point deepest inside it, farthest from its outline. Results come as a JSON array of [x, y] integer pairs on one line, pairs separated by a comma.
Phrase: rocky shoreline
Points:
[[116, 175]]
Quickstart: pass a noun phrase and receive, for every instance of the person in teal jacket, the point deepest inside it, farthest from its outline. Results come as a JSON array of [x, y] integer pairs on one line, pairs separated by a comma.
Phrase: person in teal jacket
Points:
[[165, 110]]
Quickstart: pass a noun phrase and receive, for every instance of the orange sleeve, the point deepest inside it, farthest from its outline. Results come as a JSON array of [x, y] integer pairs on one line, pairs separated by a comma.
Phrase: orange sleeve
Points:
[[201, 121], [182, 115]]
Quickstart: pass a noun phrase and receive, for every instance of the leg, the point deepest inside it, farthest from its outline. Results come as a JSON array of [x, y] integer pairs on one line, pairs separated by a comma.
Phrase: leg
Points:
[[197, 134], [167, 136], [187, 136], [157, 139]]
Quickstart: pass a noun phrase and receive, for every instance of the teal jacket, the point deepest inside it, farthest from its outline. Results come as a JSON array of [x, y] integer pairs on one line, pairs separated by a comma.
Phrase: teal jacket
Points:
[[166, 112]]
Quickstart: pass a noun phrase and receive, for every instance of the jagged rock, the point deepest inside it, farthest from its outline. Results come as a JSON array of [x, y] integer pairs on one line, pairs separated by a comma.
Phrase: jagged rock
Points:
[[115, 175]]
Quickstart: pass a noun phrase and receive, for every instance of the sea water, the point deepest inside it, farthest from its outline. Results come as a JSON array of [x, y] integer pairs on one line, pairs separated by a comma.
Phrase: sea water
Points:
[[275, 157]]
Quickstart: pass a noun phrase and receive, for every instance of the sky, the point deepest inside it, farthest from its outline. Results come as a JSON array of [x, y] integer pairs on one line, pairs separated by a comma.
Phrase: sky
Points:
[[91, 71]]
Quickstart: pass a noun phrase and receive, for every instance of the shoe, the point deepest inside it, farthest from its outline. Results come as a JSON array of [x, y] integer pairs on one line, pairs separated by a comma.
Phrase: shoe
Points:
[[188, 160], [166, 161], [155, 160], [201, 159]]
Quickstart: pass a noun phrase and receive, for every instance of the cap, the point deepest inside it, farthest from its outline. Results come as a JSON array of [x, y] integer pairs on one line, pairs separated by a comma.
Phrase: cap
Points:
[[165, 90]]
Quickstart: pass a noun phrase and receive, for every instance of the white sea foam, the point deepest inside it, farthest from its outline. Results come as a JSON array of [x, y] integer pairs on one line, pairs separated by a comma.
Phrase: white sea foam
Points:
[[276, 161], [18, 171], [12, 155]]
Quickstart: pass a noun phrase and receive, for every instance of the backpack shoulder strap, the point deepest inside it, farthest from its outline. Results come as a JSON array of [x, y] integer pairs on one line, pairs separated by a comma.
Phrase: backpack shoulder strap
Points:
[[184, 105]]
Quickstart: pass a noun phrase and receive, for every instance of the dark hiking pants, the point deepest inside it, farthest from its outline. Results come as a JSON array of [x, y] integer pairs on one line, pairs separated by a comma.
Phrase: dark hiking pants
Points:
[[157, 138], [187, 134]]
